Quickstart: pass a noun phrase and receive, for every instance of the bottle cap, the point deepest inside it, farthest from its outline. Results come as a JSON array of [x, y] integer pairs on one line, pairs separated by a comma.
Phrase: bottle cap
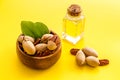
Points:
[[74, 10]]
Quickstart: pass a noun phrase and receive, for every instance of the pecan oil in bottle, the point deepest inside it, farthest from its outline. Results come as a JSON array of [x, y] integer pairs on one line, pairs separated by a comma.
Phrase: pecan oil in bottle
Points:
[[73, 24]]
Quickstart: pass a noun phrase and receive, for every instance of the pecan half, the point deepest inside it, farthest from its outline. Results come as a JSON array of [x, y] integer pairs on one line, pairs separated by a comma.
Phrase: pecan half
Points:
[[74, 51], [37, 41], [44, 53], [103, 62], [55, 39]]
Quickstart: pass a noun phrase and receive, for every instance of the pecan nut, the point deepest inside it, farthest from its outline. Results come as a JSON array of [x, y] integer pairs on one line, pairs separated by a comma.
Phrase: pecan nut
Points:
[[55, 39], [74, 51], [103, 62], [43, 53], [37, 41]]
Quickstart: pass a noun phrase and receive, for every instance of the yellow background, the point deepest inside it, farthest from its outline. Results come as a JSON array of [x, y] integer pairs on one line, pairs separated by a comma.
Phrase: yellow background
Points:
[[102, 32]]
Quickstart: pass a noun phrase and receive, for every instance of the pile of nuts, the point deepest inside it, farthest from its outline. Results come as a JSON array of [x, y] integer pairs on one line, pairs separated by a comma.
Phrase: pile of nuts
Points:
[[89, 56], [43, 46]]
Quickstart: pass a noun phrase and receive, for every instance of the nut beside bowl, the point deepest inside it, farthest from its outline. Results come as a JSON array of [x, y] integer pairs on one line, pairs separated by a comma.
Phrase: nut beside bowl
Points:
[[43, 62]]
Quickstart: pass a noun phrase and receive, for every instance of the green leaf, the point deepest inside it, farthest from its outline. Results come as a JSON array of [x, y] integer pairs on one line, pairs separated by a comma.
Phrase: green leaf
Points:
[[35, 30], [40, 29], [26, 27]]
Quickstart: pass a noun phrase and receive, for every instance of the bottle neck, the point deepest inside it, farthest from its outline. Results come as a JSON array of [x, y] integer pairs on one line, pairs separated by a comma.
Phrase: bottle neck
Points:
[[74, 18]]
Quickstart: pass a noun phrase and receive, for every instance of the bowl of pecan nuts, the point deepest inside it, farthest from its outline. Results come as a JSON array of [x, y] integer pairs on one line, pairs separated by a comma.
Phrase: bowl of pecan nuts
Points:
[[38, 47]]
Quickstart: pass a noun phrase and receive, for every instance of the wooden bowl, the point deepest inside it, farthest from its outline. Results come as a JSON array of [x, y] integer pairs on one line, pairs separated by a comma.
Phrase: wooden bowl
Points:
[[38, 62]]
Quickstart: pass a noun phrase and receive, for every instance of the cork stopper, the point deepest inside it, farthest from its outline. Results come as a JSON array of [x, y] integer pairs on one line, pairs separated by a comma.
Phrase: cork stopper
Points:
[[74, 10]]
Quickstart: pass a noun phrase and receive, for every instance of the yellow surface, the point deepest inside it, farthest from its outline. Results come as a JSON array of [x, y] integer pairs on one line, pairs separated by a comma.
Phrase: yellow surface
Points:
[[102, 32]]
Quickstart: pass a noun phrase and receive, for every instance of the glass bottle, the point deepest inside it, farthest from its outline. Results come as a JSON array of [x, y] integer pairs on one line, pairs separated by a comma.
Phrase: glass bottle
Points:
[[73, 24]]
